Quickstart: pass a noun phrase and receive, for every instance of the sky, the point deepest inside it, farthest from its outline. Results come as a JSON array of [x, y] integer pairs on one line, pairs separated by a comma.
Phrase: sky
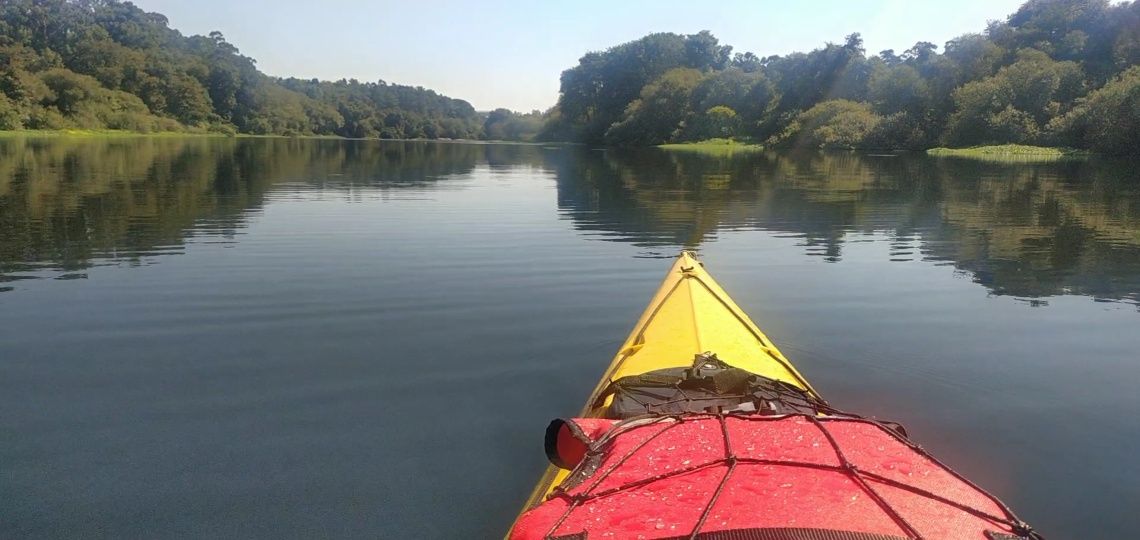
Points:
[[499, 53]]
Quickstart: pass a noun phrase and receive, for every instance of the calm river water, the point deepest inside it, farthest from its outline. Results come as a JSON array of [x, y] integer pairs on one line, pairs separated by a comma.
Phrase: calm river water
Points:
[[307, 338]]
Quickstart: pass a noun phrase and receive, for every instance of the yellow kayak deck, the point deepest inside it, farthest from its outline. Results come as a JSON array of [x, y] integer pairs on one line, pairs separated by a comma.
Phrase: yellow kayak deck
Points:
[[690, 314]]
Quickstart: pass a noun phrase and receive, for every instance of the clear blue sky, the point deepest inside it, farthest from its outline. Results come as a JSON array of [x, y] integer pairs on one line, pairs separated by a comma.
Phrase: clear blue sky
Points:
[[499, 53]]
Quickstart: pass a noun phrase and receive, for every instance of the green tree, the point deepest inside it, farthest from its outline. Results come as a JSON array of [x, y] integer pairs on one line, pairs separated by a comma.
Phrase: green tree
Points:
[[68, 90], [802, 80], [704, 51], [716, 122], [898, 88], [974, 57], [9, 114], [598, 92], [657, 115], [837, 123], [747, 62], [1015, 102], [899, 131], [1108, 120], [507, 125], [495, 127]]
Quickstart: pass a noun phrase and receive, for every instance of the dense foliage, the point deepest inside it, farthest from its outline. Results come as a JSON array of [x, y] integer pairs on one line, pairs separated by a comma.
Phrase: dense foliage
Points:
[[1055, 72], [108, 64], [507, 125]]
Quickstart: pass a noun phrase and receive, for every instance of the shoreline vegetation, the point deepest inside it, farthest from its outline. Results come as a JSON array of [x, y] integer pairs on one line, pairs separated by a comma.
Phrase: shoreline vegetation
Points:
[[1055, 73], [109, 133], [717, 146], [709, 147], [1010, 152], [119, 133], [109, 65]]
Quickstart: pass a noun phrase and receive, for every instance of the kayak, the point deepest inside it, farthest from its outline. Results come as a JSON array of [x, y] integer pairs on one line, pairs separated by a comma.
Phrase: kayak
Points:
[[701, 428]]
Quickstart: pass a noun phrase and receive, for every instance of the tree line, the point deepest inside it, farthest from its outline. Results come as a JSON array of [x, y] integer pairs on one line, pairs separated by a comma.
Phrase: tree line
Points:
[[106, 64], [1055, 72]]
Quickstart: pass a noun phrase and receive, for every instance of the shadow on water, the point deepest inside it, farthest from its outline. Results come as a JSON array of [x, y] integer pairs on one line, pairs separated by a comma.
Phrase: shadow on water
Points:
[[1026, 230], [69, 204]]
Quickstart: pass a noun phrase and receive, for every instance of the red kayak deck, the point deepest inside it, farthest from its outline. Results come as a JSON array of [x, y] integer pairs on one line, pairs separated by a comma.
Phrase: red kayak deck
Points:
[[761, 477]]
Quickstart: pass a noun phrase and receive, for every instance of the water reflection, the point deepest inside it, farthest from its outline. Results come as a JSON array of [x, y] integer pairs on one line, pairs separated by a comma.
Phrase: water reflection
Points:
[[69, 204], [1027, 230]]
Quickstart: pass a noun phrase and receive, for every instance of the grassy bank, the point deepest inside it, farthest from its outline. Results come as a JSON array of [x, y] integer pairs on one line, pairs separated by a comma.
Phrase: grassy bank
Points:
[[1008, 152], [114, 133], [105, 133], [713, 146], [118, 133]]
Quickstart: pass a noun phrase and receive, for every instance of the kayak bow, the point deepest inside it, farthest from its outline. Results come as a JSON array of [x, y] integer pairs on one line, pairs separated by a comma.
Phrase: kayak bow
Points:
[[701, 428], [689, 314]]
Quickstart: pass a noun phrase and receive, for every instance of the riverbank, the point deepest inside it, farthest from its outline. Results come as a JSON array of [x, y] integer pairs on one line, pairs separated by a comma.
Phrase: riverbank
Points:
[[713, 146], [106, 133], [117, 133], [1017, 152], [111, 133]]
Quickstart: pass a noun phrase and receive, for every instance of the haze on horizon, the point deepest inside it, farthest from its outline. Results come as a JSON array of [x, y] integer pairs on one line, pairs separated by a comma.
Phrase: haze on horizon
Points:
[[510, 53]]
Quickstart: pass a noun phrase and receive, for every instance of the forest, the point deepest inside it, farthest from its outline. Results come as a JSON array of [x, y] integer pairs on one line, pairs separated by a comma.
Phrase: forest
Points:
[[105, 64], [1054, 73]]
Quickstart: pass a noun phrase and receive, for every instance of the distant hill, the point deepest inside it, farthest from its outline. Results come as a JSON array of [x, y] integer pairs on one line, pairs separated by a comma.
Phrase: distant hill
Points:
[[105, 64]]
